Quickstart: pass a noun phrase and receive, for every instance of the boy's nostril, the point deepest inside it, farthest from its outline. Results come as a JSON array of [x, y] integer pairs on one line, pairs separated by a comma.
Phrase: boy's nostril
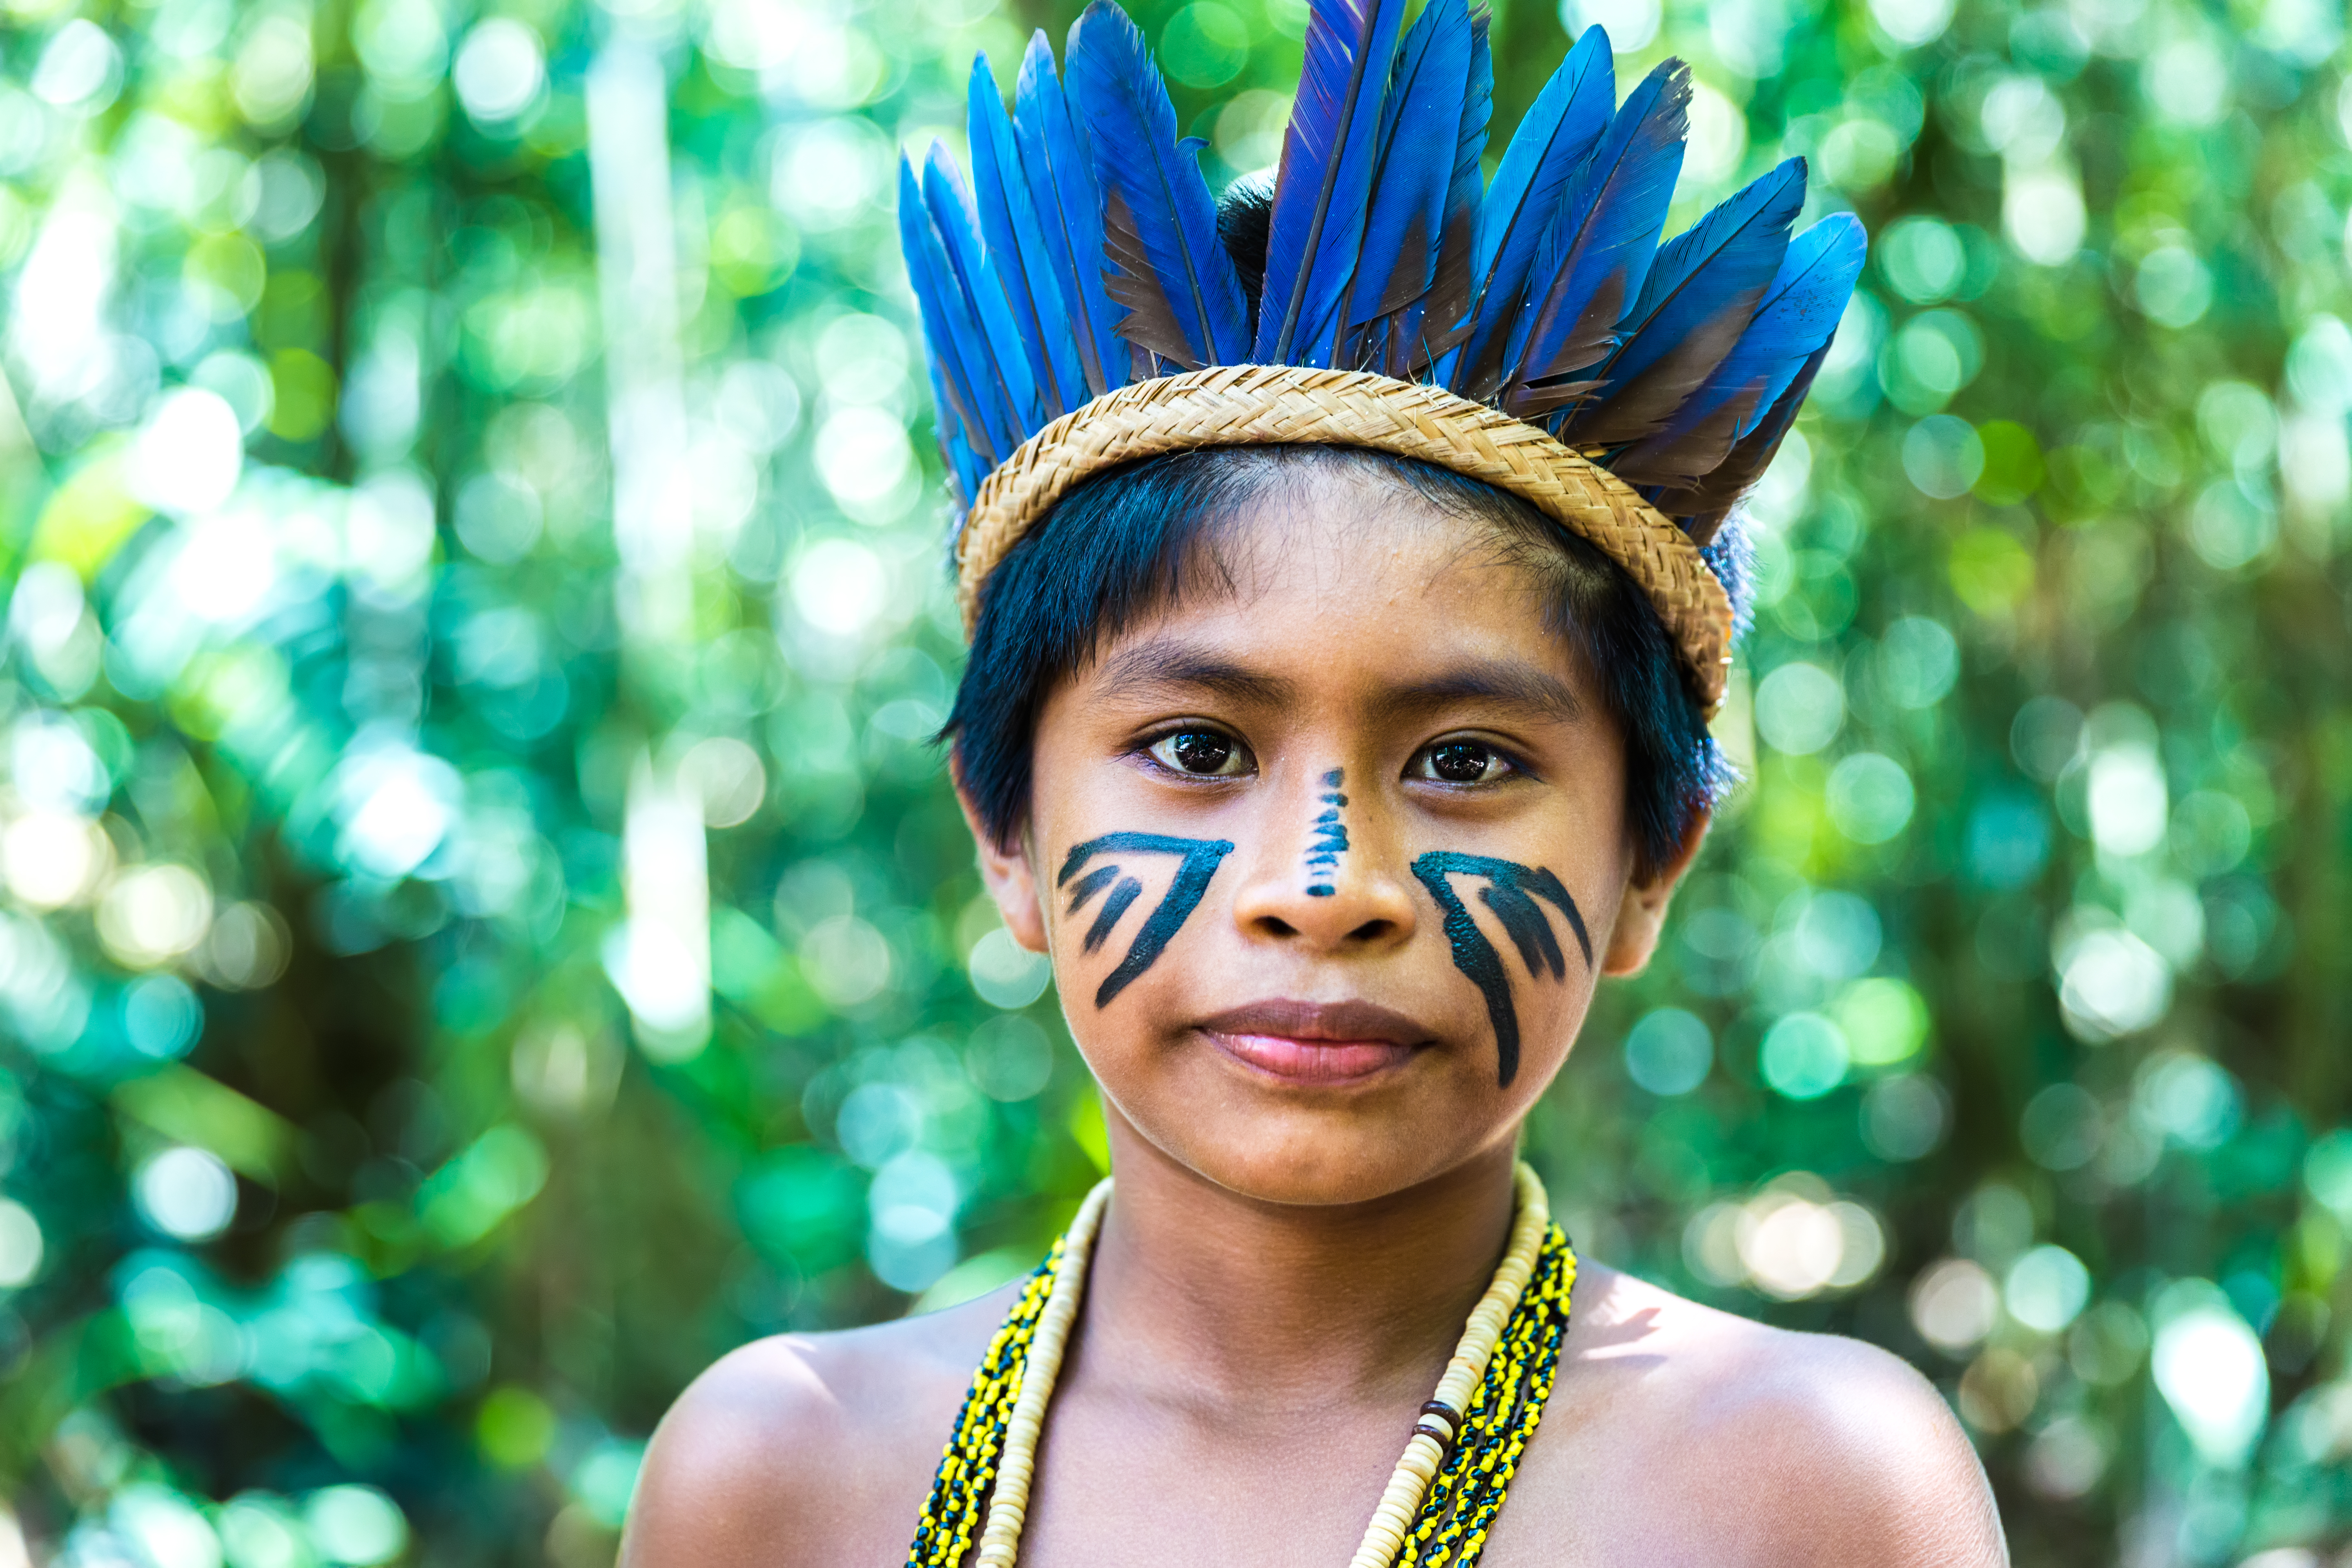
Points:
[[1371, 931], [1275, 926]]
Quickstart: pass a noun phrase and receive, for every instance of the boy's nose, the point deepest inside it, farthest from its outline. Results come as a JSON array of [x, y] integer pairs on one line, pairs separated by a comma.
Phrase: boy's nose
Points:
[[1323, 872]]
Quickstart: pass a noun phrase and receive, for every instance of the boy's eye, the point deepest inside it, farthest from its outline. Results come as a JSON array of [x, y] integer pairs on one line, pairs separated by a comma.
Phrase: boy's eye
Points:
[[1201, 752], [1461, 763]]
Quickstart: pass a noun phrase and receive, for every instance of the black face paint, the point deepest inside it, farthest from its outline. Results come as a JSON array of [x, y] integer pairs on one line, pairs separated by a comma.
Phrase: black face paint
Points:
[[1107, 919], [1509, 883], [1323, 854], [1201, 858], [1090, 884]]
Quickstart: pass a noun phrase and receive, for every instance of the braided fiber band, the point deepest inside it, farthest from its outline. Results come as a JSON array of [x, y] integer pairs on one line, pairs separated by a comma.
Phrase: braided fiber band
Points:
[[1256, 405]]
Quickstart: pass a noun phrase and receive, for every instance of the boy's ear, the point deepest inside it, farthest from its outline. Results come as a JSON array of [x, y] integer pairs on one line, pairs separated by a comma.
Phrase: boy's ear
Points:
[[1011, 879], [1641, 916]]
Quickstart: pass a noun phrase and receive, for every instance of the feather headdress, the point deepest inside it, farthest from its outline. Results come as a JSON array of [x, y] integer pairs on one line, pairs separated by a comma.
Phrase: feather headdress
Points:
[[1533, 333]]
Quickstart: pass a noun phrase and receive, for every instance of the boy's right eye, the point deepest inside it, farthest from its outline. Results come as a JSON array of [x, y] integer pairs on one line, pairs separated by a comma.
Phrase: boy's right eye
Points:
[[1203, 754]]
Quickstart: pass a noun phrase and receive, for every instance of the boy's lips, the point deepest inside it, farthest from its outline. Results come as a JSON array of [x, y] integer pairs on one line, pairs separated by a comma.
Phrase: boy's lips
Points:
[[1316, 1042]]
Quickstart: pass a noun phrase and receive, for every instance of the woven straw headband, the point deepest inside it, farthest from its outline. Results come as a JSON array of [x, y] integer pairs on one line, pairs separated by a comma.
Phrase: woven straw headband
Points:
[[1256, 405]]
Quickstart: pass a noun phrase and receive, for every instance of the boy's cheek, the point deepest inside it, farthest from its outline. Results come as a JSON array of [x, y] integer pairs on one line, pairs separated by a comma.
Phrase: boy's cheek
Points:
[[1119, 901]]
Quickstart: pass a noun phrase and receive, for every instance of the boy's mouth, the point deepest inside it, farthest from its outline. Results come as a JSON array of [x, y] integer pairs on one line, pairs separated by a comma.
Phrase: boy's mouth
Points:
[[1316, 1042]]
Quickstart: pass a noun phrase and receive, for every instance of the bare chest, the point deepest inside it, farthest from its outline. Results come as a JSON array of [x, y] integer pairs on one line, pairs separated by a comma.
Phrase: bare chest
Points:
[[1121, 1484], [1117, 1489]]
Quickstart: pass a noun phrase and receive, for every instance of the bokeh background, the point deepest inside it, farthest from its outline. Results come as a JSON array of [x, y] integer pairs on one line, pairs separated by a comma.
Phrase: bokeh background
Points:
[[485, 931]]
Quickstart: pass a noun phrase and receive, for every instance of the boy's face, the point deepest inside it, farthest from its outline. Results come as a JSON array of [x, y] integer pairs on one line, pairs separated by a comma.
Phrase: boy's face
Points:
[[1330, 865]]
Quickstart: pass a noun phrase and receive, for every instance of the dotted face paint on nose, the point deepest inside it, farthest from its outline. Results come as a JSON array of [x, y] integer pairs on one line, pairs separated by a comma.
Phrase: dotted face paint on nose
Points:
[[1201, 858], [1508, 885], [1330, 840]]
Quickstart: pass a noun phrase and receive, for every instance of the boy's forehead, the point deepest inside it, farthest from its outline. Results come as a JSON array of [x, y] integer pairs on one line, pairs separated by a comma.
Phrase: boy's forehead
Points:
[[1364, 546], [1369, 587]]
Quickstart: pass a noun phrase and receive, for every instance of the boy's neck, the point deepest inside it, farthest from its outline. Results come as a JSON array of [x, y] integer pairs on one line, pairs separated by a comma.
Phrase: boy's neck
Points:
[[1200, 1296]]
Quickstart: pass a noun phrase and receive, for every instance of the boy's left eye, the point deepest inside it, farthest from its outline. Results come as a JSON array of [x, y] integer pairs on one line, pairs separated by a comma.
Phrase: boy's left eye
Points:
[[1203, 754], [1461, 763]]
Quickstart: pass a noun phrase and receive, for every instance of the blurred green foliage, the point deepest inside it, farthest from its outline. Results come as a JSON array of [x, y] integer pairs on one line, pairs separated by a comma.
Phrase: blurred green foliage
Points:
[[438, 640]]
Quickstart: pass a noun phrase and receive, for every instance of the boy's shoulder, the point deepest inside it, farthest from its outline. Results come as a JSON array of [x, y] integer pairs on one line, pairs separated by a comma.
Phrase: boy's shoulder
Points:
[[1716, 1366], [1714, 1438], [808, 1448]]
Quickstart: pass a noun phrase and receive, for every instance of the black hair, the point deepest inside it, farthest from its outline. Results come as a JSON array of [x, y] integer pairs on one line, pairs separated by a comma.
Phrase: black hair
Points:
[[1125, 544]]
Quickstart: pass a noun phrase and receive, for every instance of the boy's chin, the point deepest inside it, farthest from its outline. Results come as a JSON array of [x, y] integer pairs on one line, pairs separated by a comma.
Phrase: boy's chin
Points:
[[1320, 1158]]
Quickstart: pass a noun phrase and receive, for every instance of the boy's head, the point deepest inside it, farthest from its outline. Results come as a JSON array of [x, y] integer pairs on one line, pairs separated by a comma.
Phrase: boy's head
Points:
[[1331, 783]]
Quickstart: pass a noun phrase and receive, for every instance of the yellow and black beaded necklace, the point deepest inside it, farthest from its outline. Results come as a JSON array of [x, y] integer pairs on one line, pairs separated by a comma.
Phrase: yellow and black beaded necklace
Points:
[[1440, 1505]]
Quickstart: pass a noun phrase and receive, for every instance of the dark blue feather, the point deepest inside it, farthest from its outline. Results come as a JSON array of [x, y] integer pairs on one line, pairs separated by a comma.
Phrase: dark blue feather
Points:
[[1598, 252], [960, 349], [1068, 200], [1553, 142], [1799, 311], [1807, 300], [1704, 507], [1412, 168], [1183, 298], [1700, 296], [1326, 179], [1433, 325], [950, 206], [1017, 252]]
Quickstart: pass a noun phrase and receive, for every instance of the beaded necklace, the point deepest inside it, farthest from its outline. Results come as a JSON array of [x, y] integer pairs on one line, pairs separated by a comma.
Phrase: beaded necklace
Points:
[[1439, 1505]]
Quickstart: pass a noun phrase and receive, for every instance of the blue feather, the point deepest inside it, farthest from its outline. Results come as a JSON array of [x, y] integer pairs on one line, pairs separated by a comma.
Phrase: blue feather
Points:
[[1017, 252], [1705, 508], [1598, 253], [964, 465], [1806, 301], [1413, 168], [1069, 200], [1183, 298], [1738, 245], [959, 350], [1794, 320], [1326, 179], [984, 290], [1447, 303], [1553, 142], [1700, 295]]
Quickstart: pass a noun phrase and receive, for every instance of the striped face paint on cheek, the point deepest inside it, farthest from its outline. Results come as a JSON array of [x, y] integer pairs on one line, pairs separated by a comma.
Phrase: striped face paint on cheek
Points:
[[1508, 887], [1331, 837], [1201, 859]]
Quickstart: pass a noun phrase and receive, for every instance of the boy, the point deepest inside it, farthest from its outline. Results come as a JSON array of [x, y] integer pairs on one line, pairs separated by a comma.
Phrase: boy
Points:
[[1334, 732]]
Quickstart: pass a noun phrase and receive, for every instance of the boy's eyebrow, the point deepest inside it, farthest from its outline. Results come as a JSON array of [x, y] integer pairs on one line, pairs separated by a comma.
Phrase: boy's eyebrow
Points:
[[1506, 683], [1168, 665]]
